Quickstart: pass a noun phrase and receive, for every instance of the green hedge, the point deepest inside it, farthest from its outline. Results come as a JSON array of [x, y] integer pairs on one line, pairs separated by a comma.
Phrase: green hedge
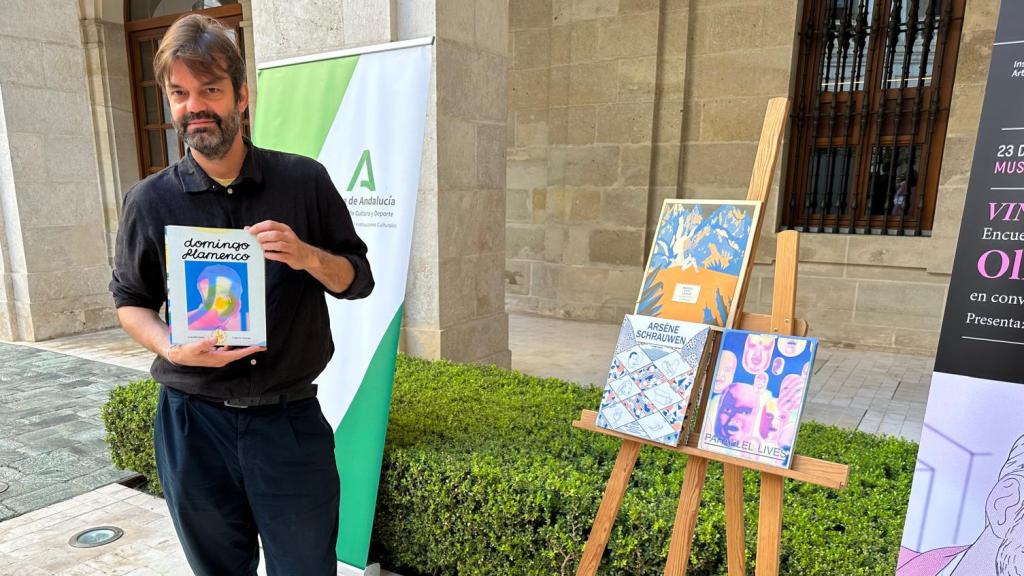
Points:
[[483, 475], [128, 418]]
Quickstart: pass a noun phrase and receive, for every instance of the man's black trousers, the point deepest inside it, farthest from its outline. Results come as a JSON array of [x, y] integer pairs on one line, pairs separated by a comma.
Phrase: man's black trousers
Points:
[[229, 474]]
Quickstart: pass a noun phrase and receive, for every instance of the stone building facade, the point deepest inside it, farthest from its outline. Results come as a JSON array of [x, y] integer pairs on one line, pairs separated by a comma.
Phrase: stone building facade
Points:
[[68, 155], [616, 105], [555, 130]]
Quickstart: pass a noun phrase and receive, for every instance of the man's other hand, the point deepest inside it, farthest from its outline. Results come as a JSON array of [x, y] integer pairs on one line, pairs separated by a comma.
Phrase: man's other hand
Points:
[[206, 353], [280, 244]]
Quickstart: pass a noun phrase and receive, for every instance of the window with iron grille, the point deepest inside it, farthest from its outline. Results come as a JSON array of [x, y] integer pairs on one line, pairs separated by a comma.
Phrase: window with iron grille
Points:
[[868, 125], [158, 145]]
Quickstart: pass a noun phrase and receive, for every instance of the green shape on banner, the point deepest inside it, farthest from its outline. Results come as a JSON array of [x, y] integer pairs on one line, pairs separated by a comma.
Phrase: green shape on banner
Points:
[[368, 183], [305, 100], [360, 455]]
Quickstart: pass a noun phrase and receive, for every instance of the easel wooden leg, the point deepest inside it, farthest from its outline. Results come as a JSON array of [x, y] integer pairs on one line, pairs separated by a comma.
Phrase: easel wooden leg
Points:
[[609, 508], [686, 516], [769, 528], [734, 523]]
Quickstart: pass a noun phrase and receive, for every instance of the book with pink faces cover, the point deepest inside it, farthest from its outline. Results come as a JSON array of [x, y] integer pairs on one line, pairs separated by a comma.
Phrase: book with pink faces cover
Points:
[[215, 285], [757, 396]]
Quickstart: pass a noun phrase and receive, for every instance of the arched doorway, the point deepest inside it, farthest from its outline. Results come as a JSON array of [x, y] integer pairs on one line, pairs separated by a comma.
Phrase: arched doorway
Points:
[[146, 21]]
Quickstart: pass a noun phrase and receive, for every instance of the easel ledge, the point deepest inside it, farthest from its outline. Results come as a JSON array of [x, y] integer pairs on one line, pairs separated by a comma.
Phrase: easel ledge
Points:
[[804, 469]]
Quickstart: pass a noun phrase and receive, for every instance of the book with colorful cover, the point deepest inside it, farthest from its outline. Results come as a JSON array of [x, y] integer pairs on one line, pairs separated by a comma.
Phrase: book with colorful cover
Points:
[[651, 377], [757, 396], [699, 260], [215, 285]]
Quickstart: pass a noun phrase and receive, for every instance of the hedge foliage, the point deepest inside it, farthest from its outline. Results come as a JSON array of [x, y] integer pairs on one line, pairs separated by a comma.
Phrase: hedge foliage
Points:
[[484, 475], [128, 418]]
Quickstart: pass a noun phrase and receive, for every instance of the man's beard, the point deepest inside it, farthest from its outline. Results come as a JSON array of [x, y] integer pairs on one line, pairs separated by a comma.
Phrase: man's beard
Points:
[[1010, 556], [214, 141]]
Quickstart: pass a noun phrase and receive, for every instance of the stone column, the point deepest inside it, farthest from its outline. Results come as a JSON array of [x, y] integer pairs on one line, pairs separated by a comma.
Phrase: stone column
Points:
[[110, 95], [54, 264], [12, 255], [455, 297]]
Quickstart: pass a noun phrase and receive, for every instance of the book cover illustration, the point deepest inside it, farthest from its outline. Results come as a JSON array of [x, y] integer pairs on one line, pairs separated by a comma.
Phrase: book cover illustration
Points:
[[760, 384], [651, 377], [698, 261], [215, 285]]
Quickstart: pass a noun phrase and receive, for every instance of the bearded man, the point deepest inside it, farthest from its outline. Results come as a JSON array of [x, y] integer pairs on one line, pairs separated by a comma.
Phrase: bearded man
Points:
[[242, 447]]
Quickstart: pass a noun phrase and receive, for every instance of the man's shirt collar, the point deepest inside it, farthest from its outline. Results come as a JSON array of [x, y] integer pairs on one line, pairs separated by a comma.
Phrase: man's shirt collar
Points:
[[194, 179]]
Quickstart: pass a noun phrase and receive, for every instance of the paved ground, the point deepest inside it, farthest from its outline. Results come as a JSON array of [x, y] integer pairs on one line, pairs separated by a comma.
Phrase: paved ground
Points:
[[53, 458], [36, 543], [877, 392], [108, 346], [51, 436]]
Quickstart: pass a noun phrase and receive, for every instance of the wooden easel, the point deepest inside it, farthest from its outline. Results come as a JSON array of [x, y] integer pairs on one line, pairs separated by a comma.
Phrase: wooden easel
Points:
[[811, 470]]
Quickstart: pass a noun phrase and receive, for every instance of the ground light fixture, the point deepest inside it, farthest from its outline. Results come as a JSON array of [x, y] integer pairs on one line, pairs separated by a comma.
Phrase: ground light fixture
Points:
[[96, 536]]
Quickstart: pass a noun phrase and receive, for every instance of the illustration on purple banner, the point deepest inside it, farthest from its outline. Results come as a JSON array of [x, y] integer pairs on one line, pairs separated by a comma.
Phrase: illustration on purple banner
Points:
[[966, 509]]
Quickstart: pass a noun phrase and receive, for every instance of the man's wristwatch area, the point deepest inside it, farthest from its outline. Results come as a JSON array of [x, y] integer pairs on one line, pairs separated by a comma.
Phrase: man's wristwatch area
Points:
[[167, 354]]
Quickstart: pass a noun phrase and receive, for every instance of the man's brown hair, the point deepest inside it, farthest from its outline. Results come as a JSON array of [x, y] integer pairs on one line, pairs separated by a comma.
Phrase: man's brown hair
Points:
[[204, 46]]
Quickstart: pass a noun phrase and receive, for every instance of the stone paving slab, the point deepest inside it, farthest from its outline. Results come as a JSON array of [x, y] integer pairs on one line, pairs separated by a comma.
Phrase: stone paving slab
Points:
[[51, 437], [111, 346], [876, 392], [565, 349], [36, 543]]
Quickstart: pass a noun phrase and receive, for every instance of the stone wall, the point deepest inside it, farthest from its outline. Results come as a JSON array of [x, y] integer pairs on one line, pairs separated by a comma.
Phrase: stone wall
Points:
[[471, 92], [617, 105], [589, 140], [54, 263]]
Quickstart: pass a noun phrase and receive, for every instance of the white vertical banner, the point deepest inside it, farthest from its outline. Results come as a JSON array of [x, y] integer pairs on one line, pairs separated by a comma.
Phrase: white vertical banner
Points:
[[374, 159], [362, 114]]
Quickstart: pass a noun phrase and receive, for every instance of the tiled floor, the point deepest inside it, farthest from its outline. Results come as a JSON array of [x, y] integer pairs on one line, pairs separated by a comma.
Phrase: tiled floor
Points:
[[36, 544], [51, 434]]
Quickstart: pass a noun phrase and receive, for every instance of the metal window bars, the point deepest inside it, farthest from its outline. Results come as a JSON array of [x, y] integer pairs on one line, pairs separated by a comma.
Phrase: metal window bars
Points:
[[872, 99]]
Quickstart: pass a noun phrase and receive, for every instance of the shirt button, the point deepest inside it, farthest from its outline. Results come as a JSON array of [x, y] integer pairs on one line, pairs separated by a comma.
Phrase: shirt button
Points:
[[253, 361], [230, 191]]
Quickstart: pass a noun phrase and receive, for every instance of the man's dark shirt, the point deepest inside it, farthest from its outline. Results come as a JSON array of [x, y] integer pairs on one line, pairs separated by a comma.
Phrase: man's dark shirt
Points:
[[287, 188]]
